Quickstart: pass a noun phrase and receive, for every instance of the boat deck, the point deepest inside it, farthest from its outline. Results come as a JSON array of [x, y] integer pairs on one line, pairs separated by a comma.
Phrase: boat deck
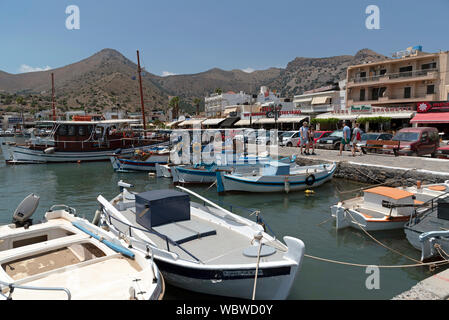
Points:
[[224, 247]]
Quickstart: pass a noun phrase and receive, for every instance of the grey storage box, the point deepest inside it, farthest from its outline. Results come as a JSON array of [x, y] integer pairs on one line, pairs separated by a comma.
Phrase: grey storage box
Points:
[[159, 207], [443, 209]]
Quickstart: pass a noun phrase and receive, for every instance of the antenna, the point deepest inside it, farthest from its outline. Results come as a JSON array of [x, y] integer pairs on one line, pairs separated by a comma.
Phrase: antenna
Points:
[[139, 70], [53, 95]]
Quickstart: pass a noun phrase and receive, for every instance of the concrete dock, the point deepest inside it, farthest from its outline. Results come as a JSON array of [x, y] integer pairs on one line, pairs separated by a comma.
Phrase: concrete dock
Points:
[[377, 168], [435, 287]]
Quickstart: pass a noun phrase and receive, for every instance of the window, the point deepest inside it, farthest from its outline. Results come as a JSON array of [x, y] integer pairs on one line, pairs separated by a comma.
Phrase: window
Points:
[[432, 65], [362, 94], [406, 71], [383, 71], [431, 89], [72, 130], [407, 92], [382, 91]]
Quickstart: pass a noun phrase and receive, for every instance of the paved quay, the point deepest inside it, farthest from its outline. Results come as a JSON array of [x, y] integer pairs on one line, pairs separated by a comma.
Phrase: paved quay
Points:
[[377, 168], [435, 287]]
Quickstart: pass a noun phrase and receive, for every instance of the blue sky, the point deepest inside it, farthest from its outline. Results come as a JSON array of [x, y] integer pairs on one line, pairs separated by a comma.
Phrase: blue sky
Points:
[[190, 36]]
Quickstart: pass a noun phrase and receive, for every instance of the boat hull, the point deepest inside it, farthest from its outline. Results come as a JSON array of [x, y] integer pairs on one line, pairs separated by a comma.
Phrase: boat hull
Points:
[[352, 218], [273, 183], [25, 155], [120, 163]]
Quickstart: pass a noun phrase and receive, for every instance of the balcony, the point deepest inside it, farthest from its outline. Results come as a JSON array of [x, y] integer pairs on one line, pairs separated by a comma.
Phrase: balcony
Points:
[[394, 99], [417, 75], [318, 108]]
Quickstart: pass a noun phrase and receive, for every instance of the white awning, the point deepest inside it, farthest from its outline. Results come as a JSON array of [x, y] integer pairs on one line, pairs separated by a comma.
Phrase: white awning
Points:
[[342, 116], [244, 122], [264, 120], [321, 100], [210, 122], [172, 123], [291, 120], [191, 122], [302, 100]]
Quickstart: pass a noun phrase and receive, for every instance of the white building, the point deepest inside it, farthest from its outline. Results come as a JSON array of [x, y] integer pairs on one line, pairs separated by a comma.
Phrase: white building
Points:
[[216, 104], [321, 100]]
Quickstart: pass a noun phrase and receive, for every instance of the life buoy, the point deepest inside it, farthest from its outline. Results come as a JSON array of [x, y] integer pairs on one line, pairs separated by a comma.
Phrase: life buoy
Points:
[[310, 180]]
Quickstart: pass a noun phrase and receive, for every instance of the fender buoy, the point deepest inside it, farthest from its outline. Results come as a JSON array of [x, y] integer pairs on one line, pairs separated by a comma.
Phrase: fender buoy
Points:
[[310, 180]]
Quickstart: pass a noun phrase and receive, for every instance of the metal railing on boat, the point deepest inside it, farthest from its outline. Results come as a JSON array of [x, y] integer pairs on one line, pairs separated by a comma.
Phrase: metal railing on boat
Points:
[[13, 286]]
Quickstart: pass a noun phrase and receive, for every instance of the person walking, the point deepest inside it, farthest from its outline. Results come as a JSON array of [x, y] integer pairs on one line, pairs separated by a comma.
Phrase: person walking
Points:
[[356, 138], [304, 137], [346, 137], [312, 139]]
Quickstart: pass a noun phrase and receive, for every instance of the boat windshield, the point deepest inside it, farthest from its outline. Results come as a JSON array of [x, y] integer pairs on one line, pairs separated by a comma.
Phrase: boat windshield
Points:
[[406, 136]]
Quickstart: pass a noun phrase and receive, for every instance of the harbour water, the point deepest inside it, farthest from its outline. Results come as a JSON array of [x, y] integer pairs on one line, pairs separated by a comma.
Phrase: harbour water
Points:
[[295, 214]]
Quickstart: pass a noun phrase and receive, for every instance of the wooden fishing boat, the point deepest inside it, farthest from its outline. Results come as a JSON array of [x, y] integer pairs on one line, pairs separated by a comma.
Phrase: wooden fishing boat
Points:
[[142, 160], [73, 141], [66, 257], [380, 208], [275, 177], [204, 247]]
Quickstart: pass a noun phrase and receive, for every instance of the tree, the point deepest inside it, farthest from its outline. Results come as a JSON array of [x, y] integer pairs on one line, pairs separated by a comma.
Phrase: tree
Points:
[[174, 103], [218, 91], [197, 102]]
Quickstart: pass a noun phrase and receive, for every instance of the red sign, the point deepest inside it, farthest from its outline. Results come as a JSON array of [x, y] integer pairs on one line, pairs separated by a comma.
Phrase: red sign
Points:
[[432, 106]]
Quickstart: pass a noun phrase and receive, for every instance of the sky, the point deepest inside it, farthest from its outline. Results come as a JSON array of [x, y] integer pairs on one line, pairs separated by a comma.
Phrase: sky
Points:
[[191, 36]]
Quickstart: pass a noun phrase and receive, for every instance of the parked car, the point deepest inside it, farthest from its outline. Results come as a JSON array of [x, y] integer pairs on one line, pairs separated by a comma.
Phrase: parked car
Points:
[[321, 134], [1, 132], [289, 139], [417, 141], [443, 152], [373, 136], [332, 141]]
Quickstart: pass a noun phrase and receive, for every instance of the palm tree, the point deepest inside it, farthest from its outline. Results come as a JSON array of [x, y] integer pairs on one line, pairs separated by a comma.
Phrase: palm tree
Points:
[[174, 103], [197, 102]]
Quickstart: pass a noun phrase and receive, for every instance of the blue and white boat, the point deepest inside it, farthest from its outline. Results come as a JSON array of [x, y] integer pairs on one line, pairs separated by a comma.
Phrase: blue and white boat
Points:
[[206, 173], [275, 177], [142, 160]]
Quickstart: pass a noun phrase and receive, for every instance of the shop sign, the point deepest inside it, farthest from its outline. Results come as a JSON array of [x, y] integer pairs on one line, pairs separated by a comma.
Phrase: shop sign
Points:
[[435, 106], [361, 108]]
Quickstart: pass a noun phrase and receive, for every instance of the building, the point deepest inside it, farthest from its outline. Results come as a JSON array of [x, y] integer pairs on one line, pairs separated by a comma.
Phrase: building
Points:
[[321, 100], [393, 88], [215, 104]]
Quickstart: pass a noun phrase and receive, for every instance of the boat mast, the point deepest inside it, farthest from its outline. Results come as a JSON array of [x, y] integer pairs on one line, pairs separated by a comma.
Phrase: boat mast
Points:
[[53, 95], [139, 70]]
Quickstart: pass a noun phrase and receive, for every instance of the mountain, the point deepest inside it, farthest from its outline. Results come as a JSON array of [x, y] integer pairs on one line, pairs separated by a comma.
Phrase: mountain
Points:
[[304, 74], [108, 78], [103, 80]]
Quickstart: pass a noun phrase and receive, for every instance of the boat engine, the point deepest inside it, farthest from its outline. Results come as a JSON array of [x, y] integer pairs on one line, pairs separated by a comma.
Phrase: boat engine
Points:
[[23, 213]]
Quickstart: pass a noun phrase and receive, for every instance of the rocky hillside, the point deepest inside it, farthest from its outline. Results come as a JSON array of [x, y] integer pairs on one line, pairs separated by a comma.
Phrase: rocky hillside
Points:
[[108, 79]]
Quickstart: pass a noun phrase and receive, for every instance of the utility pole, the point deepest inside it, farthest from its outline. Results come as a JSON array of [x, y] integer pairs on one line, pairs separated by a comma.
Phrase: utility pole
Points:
[[139, 70], [53, 95]]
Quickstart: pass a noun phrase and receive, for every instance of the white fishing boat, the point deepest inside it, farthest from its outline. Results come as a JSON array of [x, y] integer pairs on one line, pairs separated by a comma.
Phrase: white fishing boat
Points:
[[427, 192], [206, 173], [380, 208], [66, 257], [74, 141], [203, 247], [164, 170], [142, 160], [275, 177]]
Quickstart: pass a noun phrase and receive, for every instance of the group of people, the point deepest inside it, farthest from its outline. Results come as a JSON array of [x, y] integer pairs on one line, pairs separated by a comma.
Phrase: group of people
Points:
[[307, 139]]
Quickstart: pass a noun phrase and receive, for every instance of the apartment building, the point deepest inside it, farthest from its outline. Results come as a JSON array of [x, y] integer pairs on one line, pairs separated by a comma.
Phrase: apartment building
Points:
[[399, 83]]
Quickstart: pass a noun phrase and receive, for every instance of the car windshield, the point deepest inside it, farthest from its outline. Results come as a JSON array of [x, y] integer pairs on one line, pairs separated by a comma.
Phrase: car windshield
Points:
[[406, 136], [369, 136], [317, 135], [337, 134], [288, 134]]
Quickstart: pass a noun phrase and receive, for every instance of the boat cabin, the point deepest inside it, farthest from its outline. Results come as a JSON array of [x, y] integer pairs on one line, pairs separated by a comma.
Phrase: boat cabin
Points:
[[385, 200]]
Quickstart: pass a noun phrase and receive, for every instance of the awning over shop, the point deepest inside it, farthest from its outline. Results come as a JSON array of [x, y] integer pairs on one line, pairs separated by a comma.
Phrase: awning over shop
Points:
[[291, 120], [302, 100], [435, 117], [229, 110], [264, 121], [213, 122], [347, 116], [191, 122], [229, 122], [321, 100], [241, 123]]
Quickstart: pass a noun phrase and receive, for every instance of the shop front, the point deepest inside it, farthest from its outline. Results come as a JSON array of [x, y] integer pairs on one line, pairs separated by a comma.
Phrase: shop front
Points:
[[433, 114]]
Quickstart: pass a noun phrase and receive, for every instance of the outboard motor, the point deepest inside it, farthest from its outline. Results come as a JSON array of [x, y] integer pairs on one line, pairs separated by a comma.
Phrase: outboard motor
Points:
[[23, 213]]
